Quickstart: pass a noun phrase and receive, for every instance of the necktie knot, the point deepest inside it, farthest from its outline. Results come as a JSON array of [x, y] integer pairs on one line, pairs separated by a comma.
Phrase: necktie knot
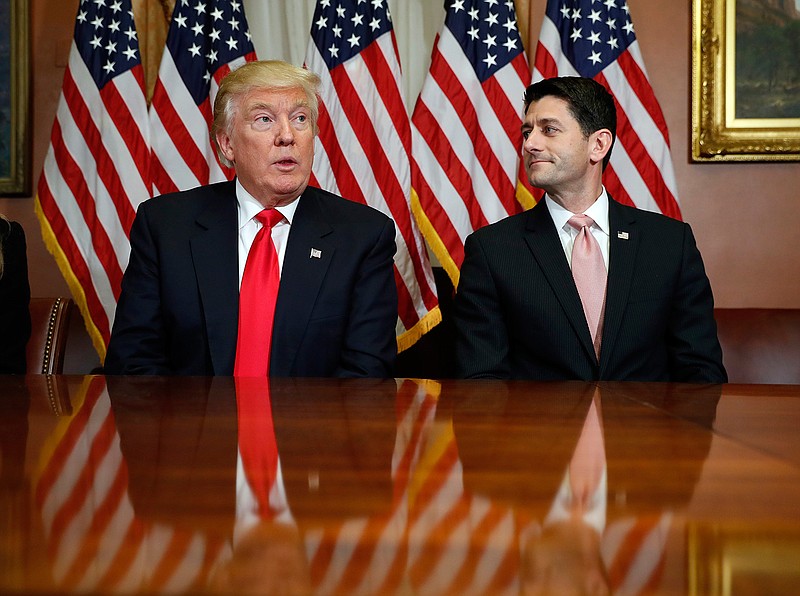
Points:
[[580, 221], [269, 217]]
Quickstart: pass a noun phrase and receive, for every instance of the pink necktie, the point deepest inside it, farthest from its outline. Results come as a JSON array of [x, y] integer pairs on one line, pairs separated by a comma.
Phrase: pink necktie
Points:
[[589, 272], [589, 459], [257, 298]]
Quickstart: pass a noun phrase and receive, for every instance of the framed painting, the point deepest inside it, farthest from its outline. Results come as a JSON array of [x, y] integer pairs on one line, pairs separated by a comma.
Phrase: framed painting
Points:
[[15, 175], [745, 80]]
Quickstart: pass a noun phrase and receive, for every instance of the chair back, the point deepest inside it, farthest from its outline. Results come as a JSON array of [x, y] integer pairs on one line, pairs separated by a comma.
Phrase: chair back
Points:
[[760, 345], [49, 326]]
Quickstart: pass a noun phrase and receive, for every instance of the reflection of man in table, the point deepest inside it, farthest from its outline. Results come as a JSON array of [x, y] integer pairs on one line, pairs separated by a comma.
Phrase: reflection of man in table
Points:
[[321, 465], [577, 535]]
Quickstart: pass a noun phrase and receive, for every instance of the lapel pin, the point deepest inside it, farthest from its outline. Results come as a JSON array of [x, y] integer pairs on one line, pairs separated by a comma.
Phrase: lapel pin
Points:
[[315, 254], [622, 235]]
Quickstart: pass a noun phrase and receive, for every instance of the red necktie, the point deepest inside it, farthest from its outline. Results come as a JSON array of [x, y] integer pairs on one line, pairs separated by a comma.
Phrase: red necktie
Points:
[[257, 445], [257, 298], [589, 273]]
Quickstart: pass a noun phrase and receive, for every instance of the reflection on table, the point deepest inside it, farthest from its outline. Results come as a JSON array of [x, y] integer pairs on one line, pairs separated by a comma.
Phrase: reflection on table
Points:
[[354, 486]]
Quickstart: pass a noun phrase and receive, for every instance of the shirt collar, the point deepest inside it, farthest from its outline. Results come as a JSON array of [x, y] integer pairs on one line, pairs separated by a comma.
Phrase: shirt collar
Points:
[[249, 207], [598, 211]]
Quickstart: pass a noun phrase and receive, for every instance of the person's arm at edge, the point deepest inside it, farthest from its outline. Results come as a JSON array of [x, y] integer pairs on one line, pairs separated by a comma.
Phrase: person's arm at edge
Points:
[[370, 344], [695, 352], [138, 338], [481, 336]]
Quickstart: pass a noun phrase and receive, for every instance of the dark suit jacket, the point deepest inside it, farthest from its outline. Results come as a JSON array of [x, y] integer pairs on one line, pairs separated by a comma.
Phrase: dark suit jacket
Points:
[[178, 311], [518, 313], [15, 298]]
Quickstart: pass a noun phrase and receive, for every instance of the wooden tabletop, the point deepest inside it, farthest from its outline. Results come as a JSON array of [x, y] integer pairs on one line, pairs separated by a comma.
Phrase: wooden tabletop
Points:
[[397, 486]]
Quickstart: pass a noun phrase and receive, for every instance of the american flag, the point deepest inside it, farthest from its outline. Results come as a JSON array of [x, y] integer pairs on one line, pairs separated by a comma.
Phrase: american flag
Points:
[[364, 143], [206, 40], [596, 39], [466, 127], [96, 172]]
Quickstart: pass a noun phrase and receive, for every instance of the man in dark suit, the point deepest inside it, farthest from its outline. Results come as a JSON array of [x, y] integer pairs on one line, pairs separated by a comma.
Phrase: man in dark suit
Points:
[[336, 307], [518, 310]]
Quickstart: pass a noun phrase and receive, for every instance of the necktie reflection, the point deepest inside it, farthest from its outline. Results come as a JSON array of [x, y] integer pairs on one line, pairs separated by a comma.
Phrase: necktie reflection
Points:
[[268, 554], [563, 556]]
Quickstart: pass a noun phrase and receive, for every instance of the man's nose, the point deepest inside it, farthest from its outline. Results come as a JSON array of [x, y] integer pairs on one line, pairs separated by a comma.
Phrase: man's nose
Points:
[[530, 141], [285, 134]]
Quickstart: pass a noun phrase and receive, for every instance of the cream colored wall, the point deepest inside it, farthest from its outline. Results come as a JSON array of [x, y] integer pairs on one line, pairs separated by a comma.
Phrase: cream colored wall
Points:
[[744, 215]]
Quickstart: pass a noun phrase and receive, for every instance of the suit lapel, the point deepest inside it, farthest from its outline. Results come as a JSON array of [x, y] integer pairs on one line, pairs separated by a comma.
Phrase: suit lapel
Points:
[[309, 253], [216, 265], [543, 241], [623, 246]]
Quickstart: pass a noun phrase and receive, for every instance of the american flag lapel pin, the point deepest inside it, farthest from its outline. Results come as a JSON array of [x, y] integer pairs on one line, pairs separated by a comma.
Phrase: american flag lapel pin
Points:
[[622, 235], [315, 254]]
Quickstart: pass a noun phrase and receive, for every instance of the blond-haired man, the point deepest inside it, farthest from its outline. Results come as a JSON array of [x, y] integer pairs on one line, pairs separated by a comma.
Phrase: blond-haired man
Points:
[[179, 312]]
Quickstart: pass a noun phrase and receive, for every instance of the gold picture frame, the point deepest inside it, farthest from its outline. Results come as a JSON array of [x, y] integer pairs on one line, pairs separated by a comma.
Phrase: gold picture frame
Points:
[[719, 134], [15, 145]]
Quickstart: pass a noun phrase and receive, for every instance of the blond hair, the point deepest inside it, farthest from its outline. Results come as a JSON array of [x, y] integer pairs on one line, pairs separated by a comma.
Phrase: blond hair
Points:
[[261, 74]]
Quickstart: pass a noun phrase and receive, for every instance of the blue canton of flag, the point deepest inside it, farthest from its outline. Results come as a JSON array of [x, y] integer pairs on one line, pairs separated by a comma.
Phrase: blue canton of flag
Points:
[[106, 39], [593, 32], [487, 32], [215, 33], [340, 34]]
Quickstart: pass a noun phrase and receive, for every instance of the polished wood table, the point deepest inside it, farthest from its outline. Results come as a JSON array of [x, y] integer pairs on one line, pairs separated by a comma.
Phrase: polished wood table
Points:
[[397, 486]]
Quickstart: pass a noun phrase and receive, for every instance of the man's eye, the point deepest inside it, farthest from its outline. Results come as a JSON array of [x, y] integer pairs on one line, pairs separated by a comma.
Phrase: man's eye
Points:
[[525, 134]]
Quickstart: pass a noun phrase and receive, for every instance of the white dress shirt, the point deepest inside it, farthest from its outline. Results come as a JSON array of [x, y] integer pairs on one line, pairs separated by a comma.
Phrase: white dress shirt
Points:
[[567, 234], [249, 207]]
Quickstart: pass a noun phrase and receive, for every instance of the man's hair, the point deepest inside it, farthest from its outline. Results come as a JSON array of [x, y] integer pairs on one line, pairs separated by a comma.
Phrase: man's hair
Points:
[[262, 74], [588, 101]]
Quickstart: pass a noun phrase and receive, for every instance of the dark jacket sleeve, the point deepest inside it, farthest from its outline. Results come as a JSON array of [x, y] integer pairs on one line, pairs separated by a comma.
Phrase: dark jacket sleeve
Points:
[[370, 347], [138, 339], [482, 343], [694, 350], [15, 295]]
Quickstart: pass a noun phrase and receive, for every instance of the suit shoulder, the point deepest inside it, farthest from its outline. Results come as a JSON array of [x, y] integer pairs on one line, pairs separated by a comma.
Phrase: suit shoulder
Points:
[[185, 206], [507, 228], [651, 218], [11, 230]]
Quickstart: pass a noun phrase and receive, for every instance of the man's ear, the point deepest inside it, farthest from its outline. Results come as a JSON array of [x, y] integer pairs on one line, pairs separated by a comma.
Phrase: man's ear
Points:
[[600, 144], [225, 146]]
